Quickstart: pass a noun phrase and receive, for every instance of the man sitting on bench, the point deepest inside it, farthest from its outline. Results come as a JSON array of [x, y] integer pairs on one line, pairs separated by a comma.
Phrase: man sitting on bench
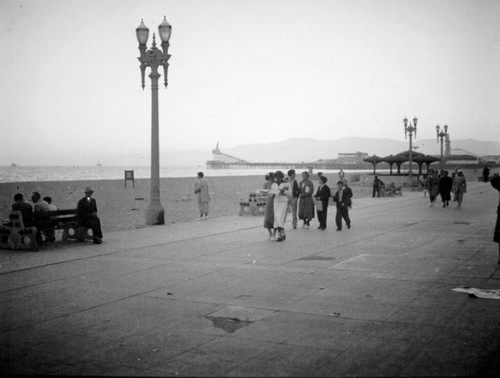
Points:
[[24, 207], [41, 206], [87, 215]]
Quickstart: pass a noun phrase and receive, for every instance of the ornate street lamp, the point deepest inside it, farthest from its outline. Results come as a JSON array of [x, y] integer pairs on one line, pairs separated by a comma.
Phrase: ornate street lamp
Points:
[[154, 58], [441, 135], [409, 129]]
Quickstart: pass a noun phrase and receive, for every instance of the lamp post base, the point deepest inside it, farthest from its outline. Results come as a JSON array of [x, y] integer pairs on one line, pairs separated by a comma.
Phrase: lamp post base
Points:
[[155, 214]]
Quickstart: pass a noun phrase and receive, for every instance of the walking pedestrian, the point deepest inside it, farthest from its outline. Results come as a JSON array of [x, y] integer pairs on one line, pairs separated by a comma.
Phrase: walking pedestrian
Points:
[[460, 187], [432, 184], [341, 174], [495, 182], [281, 196], [322, 197], [445, 186], [342, 198]]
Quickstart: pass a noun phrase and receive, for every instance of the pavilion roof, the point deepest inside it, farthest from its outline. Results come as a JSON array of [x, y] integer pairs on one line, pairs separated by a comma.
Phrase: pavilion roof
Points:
[[374, 159]]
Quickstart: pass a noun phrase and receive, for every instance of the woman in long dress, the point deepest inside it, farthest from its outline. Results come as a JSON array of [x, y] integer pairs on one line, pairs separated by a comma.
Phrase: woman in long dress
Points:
[[306, 204], [269, 211], [282, 192]]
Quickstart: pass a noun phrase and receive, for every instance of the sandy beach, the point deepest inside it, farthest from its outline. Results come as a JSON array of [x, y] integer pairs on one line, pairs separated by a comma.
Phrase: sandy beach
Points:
[[123, 208]]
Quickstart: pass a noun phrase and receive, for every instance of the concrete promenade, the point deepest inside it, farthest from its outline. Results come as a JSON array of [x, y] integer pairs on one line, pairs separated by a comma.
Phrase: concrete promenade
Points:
[[216, 298]]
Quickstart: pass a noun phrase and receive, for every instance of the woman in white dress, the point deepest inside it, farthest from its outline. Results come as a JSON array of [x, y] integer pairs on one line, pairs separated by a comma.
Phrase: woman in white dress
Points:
[[281, 192]]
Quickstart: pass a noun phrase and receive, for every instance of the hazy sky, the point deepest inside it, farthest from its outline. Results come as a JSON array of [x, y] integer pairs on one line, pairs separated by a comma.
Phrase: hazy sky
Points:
[[243, 72]]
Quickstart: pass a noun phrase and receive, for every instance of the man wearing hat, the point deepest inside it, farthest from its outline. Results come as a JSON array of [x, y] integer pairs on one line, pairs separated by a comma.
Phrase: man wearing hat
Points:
[[87, 214]]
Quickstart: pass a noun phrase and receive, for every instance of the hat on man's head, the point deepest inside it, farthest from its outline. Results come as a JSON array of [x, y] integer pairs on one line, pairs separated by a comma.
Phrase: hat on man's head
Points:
[[88, 189]]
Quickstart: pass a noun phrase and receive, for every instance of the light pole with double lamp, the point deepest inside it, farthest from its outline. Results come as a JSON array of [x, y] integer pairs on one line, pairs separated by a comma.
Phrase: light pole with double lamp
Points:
[[409, 129], [441, 134], [154, 58]]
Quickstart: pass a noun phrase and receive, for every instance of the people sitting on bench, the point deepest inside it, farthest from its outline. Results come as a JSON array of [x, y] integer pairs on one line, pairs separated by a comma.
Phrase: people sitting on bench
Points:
[[48, 199], [24, 207], [41, 206], [87, 215]]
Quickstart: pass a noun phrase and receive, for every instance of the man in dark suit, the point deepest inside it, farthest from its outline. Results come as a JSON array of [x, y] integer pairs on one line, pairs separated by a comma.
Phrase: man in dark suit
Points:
[[377, 185], [87, 215], [323, 195], [343, 200]]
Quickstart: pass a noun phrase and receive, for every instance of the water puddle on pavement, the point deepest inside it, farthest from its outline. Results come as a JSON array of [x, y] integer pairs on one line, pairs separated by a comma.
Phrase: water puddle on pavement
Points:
[[228, 325]]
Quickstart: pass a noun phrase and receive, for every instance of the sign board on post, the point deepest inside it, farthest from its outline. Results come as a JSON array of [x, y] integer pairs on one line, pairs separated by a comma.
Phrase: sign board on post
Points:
[[129, 175]]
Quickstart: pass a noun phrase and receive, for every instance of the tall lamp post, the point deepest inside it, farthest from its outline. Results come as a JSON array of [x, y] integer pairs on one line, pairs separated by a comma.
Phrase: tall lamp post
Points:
[[154, 58], [409, 129], [441, 135]]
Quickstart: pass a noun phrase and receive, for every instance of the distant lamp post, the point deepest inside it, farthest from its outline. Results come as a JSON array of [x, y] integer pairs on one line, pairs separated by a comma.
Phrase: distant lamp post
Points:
[[154, 58], [409, 129], [441, 134]]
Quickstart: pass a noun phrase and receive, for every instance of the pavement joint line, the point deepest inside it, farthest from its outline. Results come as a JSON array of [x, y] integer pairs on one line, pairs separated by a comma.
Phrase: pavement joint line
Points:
[[362, 239], [133, 295], [120, 299], [78, 275], [129, 249]]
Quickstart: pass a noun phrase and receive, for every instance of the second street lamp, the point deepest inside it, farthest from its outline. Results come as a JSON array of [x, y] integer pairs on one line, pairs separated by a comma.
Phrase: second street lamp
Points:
[[409, 129], [441, 135], [154, 58]]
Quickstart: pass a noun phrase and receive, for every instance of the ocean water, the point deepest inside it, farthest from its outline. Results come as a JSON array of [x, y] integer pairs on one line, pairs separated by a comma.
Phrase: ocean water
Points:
[[70, 173]]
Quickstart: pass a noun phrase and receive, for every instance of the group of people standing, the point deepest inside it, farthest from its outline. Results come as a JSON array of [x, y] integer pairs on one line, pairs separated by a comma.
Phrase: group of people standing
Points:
[[442, 184], [286, 192]]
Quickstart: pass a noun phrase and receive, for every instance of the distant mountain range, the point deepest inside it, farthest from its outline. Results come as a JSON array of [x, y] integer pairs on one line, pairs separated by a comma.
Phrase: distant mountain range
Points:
[[307, 149], [292, 150]]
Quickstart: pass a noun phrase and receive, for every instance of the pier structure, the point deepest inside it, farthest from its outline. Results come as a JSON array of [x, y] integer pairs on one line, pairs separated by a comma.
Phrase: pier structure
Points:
[[221, 160]]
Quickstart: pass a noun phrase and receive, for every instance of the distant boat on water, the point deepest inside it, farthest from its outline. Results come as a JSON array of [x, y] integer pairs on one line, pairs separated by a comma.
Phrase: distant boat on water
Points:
[[13, 165], [99, 164]]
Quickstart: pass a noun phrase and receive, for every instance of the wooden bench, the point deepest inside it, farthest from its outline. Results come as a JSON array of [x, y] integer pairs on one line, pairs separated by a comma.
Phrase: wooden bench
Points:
[[47, 222], [393, 191], [42, 229], [256, 204]]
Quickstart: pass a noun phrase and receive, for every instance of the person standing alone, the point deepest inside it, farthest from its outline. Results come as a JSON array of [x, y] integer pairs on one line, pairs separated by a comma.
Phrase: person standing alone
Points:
[[306, 202], [323, 197], [377, 183], [486, 173], [201, 188]]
